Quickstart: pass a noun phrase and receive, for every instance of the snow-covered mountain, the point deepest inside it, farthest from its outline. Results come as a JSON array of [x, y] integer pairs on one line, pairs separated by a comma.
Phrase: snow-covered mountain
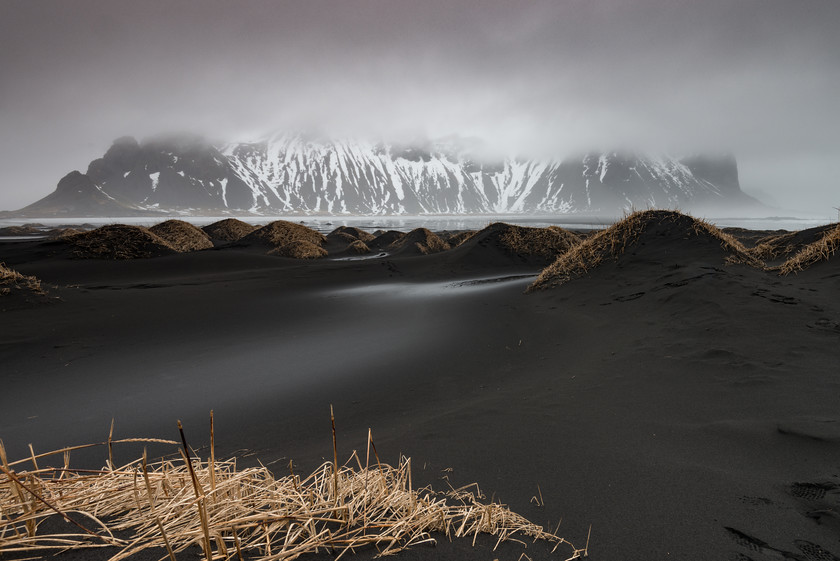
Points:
[[297, 173]]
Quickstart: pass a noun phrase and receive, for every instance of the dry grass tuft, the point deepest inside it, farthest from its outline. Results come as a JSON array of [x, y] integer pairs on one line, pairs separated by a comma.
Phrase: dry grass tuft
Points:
[[420, 240], [358, 247], [280, 233], [181, 235], [119, 241], [11, 280], [228, 230], [612, 243], [227, 511], [299, 249], [815, 252], [543, 242]]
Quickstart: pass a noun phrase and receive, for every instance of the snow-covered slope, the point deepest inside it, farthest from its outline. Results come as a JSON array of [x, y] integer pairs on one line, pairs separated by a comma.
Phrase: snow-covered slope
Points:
[[296, 173]]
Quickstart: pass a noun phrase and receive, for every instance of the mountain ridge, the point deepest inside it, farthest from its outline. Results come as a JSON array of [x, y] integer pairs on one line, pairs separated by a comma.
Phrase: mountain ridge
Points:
[[294, 173]]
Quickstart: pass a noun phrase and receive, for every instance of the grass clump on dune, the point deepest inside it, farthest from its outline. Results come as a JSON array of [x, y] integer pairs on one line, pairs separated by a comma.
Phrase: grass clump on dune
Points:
[[181, 235], [282, 232], [815, 252], [611, 243], [358, 247], [12, 280], [457, 239], [299, 249], [544, 242], [230, 512], [420, 240], [228, 230], [119, 241]]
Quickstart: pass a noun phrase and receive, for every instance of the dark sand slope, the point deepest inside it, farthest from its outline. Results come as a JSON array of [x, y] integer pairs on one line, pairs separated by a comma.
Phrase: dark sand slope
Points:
[[683, 405]]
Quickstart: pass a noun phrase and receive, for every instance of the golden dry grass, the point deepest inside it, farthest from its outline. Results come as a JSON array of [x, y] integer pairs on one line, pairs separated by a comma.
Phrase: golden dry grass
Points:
[[772, 247], [358, 247], [230, 512], [612, 243], [181, 235], [299, 249], [119, 241], [281, 232], [11, 280], [229, 229], [421, 240], [544, 242], [820, 250]]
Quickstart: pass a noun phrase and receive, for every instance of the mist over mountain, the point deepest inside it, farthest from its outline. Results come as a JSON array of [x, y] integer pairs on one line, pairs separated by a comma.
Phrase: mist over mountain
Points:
[[297, 173]]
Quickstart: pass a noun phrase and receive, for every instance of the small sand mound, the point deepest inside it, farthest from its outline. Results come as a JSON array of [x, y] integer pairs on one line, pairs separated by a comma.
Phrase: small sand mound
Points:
[[181, 235], [25, 230], [64, 233], [783, 246], [457, 239], [420, 241], [815, 252], [358, 247], [280, 233], [356, 233], [119, 241], [387, 239], [11, 280], [341, 237], [228, 230], [660, 230], [299, 249]]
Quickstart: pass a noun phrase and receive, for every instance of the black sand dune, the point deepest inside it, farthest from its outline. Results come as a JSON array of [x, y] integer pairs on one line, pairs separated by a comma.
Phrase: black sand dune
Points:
[[119, 241], [386, 239], [664, 238], [683, 406], [818, 251], [501, 244], [181, 235], [419, 241], [228, 230]]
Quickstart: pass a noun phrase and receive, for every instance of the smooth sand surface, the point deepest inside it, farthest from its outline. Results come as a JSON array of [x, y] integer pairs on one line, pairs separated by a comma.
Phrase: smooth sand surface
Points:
[[683, 408]]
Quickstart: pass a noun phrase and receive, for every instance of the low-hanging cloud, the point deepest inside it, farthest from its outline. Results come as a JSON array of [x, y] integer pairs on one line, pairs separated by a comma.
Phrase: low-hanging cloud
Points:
[[757, 78]]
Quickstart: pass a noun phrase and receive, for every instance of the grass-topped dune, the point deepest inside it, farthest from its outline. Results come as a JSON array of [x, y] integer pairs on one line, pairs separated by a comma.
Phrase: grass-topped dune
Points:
[[12, 281], [288, 239], [119, 241], [228, 230], [419, 241], [503, 243], [181, 235], [652, 235], [815, 252], [784, 246]]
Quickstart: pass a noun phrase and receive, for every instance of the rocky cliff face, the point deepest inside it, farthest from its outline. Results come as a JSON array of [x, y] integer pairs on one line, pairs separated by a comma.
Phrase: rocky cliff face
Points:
[[295, 173]]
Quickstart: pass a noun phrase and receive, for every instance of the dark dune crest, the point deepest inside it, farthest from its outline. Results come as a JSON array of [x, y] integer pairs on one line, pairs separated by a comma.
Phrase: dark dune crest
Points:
[[282, 232], [355, 233], [659, 231], [386, 239], [228, 230], [119, 241], [299, 249], [419, 241], [501, 241], [821, 250], [183, 236], [457, 239], [13, 281]]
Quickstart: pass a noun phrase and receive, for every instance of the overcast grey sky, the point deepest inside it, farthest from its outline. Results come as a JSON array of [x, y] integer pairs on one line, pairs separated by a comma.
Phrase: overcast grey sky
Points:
[[760, 78]]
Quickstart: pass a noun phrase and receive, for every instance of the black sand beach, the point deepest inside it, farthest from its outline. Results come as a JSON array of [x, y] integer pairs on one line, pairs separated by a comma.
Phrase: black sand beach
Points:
[[682, 406]]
